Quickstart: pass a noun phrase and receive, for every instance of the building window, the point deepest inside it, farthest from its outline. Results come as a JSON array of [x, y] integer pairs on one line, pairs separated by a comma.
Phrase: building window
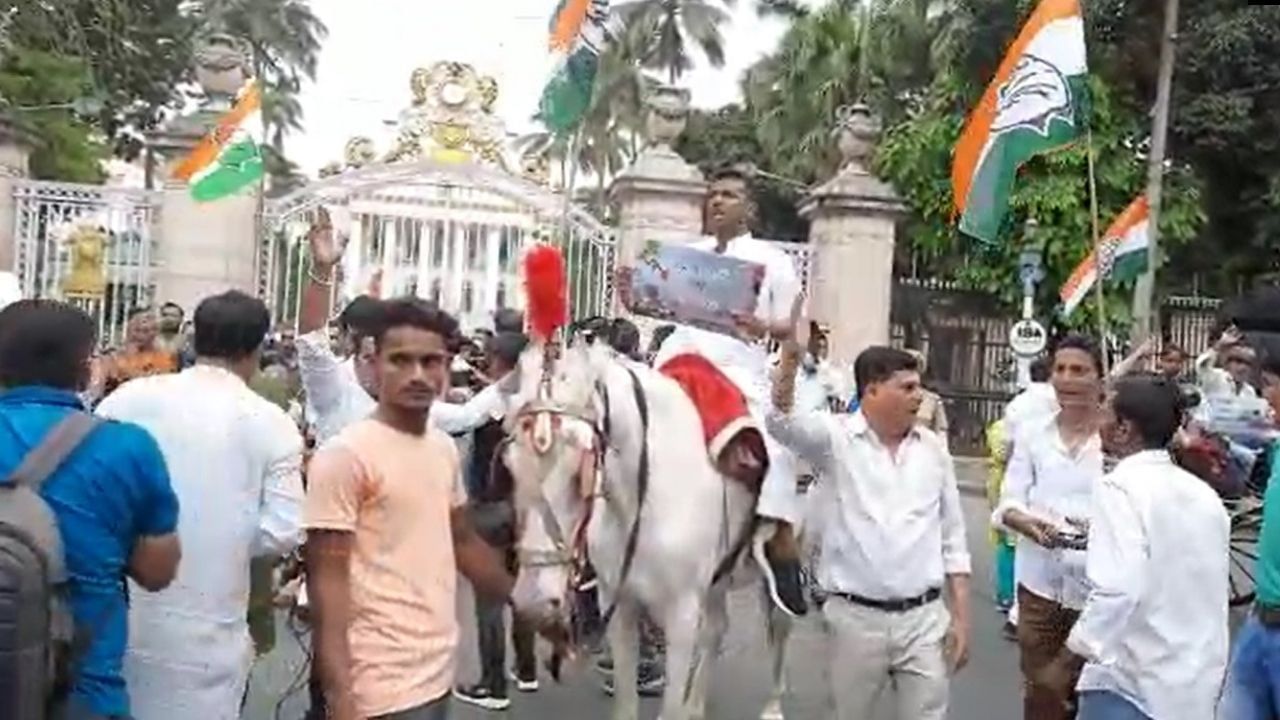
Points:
[[468, 296]]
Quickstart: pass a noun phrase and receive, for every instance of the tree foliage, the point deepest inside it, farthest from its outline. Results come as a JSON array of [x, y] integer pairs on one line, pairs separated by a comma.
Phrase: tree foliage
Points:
[[39, 86], [137, 52]]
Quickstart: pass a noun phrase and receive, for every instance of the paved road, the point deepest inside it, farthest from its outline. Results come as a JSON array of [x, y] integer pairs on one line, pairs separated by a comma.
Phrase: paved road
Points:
[[986, 690]]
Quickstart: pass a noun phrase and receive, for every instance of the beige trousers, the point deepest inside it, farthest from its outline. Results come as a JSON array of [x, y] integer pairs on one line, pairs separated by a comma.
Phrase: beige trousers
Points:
[[871, 650]]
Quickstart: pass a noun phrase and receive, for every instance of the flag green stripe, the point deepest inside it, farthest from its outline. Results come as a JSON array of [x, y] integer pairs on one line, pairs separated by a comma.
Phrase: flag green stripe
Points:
[[568, 94], [1129, 265], [239, 166]]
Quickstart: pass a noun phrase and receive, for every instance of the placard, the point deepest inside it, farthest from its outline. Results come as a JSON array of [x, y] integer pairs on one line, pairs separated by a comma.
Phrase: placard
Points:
[[680, 284]]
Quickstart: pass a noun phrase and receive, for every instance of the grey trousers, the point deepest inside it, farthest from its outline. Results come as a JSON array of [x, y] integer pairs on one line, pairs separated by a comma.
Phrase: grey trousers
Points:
[[437, 709], [872, 651]]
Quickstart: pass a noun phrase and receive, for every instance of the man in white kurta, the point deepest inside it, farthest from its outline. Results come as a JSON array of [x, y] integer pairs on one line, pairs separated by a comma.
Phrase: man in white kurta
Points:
[[235, 462], [744, 360]]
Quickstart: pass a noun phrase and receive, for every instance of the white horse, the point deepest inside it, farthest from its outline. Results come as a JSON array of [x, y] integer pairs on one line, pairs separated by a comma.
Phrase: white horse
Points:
[[584, 439]]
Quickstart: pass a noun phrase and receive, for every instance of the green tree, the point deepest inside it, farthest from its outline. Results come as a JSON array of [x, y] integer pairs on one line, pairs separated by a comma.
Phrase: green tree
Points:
[[137, 52], [666, 29], [41, 88]]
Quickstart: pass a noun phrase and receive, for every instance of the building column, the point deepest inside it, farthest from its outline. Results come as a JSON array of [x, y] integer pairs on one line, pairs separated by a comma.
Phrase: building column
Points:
[[852, 222]]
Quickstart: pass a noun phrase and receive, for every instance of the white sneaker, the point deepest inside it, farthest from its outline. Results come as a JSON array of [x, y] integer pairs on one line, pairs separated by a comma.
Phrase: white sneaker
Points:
[[523, 685], [772, 711]]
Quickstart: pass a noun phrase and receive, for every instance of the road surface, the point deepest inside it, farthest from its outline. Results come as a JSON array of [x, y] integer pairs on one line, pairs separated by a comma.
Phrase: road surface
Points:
[[988, 689]]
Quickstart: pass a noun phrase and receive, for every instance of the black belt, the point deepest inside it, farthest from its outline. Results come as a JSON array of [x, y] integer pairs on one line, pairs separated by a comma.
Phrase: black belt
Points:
[[1268, 615], [895, 605]]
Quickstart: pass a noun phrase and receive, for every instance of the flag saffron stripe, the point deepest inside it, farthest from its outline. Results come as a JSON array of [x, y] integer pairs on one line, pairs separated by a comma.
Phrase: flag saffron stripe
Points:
[[569, 24], [1136, 213], [210, 145], [974, 138]]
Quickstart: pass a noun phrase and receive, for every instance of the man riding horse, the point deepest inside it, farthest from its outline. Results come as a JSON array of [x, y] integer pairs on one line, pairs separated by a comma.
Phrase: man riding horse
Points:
[[727, 377]]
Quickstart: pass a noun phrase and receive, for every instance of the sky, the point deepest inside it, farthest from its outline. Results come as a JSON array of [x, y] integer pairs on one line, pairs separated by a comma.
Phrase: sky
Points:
[[373, 46]]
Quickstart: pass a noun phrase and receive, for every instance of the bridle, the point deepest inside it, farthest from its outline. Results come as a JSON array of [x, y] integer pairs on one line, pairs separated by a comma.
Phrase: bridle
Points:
[[542, 418]]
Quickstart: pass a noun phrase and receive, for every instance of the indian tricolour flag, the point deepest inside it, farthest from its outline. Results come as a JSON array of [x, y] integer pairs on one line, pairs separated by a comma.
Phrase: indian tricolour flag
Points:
[[1121, 255], [229, 158], [579, 32], [1035, 103]]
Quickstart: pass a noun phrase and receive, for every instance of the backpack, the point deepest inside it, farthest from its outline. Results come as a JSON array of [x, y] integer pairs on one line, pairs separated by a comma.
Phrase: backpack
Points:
[[37, 632]]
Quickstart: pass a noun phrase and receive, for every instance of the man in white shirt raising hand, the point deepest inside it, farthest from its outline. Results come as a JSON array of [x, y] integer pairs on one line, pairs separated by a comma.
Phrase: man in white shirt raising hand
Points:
[[893, 545], [1153, 636]]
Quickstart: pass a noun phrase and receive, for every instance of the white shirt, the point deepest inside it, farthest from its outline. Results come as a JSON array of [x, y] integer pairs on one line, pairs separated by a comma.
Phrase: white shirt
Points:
[[894, 527], [337, 399], [1037, 401], [235, 462], [1045, 480], [1154, 629], [746, 364]]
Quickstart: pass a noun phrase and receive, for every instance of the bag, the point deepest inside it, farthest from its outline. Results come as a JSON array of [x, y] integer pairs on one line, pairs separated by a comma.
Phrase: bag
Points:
[[37, 632]]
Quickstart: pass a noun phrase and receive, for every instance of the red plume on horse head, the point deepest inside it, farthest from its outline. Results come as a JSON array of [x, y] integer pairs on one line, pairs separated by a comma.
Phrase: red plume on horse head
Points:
[[546, 294]]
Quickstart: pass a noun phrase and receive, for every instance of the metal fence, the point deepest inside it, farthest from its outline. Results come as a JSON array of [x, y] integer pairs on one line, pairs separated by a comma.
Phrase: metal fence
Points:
[[48, 216]]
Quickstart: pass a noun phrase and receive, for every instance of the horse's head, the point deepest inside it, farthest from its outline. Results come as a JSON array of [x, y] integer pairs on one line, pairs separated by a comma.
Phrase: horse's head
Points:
[[554, 455]]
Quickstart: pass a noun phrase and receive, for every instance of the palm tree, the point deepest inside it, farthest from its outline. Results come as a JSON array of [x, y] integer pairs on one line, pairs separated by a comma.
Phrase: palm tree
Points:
[[666, 28], [882, 52], [795, 93]]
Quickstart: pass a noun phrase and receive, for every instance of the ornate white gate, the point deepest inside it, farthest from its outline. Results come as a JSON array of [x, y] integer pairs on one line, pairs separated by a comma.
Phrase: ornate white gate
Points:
[[449, 232], [70, 239]]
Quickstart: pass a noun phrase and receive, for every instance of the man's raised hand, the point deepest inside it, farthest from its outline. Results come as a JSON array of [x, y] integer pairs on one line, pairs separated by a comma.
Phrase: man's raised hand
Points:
[[326, 246]]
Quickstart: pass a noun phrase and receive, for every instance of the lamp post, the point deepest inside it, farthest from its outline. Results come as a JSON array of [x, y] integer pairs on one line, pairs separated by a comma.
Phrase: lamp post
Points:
[[1027, 338]]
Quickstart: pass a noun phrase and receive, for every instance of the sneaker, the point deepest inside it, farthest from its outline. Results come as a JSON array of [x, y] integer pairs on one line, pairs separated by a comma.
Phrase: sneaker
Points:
[[524, 685], [650, 684], [782, 579], [482, 697]]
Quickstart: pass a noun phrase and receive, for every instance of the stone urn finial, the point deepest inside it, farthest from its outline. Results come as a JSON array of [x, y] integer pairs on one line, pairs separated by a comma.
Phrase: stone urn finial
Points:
[[222, 66], [856, 133], [668, 111]]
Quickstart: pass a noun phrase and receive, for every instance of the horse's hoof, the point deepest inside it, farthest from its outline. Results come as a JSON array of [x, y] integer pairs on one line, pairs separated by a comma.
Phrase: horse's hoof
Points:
[[772, 711]]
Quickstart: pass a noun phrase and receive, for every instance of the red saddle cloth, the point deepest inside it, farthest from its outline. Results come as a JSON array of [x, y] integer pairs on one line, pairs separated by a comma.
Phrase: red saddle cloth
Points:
[[721, 405]]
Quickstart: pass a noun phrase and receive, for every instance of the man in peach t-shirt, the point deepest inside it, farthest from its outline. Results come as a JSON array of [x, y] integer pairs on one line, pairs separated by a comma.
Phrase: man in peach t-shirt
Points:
[[387, 535]]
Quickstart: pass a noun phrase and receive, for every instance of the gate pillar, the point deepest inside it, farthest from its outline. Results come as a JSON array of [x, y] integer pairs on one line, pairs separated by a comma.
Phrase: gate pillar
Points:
[[204, 248], [660, 196], [15, 151], [851, 235]]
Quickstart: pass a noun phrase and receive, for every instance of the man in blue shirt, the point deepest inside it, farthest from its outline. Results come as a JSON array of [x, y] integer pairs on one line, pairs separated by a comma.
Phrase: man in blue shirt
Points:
[[111, 497]]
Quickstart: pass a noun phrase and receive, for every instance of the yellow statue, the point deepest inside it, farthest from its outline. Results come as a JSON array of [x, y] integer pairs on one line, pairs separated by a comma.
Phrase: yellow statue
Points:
[[87, 278]]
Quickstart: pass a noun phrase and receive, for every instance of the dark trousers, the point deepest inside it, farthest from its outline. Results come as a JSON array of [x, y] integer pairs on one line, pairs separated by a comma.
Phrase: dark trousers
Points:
[[1043, 627], [492, 639]]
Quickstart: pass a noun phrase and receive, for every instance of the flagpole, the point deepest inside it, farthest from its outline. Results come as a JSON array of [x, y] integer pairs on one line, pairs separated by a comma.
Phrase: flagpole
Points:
[[1098, 268], [1145, 290]]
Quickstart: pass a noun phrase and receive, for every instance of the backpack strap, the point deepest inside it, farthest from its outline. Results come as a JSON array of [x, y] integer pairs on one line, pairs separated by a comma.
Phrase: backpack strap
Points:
[[45, 458]]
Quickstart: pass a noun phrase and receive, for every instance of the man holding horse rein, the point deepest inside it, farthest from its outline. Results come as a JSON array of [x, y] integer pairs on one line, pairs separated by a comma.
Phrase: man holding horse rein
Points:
[[727, 378]]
